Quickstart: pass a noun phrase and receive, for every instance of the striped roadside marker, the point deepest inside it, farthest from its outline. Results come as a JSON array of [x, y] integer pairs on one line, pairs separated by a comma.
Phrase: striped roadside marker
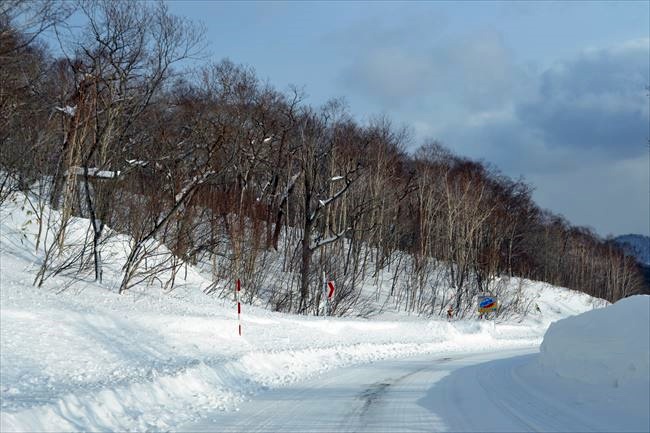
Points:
[[330, 292], [237, 290]]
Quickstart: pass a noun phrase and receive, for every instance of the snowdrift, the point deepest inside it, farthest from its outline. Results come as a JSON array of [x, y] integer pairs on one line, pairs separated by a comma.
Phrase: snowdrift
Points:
[[609, 346], [596, 366]]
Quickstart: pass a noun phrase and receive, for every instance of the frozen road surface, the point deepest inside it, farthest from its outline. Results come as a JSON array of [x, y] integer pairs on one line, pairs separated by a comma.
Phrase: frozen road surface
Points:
[[464, 392]]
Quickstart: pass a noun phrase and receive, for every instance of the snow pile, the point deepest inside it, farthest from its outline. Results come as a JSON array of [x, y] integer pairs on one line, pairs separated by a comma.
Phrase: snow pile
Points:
[[608, 346], [596, 367]]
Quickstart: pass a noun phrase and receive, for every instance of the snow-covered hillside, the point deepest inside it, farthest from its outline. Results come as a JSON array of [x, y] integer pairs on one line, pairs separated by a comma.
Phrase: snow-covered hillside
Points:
[[81, 357]]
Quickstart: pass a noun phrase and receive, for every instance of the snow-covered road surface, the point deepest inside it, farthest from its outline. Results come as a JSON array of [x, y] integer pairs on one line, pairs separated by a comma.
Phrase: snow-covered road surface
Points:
[[466, 392]]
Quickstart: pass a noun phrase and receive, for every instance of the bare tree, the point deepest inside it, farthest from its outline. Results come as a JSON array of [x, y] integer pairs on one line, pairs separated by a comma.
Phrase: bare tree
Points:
[[319, 143], [120, 67], [28, 20]]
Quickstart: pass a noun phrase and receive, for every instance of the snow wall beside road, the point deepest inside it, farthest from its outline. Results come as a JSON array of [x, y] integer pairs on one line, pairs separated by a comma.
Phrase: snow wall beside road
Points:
[[607, 346]]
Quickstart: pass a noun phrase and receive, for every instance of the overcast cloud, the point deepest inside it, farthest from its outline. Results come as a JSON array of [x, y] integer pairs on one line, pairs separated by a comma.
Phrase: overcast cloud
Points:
[[578, 129], [553, 91]]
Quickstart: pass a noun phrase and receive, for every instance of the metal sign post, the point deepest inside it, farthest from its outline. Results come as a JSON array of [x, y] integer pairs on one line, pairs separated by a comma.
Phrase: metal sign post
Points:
[[237, 290], [323, 297]]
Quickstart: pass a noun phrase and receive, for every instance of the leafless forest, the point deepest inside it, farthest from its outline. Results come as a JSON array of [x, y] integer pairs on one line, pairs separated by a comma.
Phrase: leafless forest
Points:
[[124, 124]]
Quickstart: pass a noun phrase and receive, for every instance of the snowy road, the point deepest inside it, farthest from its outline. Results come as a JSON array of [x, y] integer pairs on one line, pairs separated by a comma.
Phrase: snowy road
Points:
[[471, 392]]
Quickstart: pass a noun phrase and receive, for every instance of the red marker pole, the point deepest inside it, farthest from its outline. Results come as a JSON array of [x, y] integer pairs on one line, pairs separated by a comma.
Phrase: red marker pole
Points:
[[237, 290]]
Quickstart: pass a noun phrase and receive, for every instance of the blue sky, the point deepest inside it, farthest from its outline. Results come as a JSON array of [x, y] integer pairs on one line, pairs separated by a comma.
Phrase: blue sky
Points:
[[551, 91]]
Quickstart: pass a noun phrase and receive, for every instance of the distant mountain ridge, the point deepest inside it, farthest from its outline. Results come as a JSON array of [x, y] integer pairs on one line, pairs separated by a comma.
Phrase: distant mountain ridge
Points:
[[637, 246]]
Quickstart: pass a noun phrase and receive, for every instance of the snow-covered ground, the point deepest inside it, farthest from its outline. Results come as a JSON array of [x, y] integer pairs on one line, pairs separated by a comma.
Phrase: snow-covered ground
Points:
[[86, 358], [591, 375]]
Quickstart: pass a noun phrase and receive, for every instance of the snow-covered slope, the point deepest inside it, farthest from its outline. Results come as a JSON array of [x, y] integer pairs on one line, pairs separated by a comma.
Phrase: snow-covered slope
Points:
[[85, 358]]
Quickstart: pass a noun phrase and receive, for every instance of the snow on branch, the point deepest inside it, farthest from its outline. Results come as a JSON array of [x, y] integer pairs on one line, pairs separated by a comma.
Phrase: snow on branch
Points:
[[70, 111], [290, 185], [196, 181], [94, 172], [321, 242], [327, 201]]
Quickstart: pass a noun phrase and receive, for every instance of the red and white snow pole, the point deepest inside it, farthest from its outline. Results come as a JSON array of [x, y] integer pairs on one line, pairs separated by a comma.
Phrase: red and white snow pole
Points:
[[237, 290]]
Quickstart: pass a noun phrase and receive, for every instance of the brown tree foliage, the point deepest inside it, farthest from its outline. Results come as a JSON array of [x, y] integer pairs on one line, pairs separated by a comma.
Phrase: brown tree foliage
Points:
[[248, 182]]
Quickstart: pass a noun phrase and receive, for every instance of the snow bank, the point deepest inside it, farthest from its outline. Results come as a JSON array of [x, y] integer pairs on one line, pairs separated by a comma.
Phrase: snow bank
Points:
[[596, 367], [606, 346]]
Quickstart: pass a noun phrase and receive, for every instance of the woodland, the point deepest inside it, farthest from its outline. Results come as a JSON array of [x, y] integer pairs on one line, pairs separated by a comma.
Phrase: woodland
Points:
[[123, 122]]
